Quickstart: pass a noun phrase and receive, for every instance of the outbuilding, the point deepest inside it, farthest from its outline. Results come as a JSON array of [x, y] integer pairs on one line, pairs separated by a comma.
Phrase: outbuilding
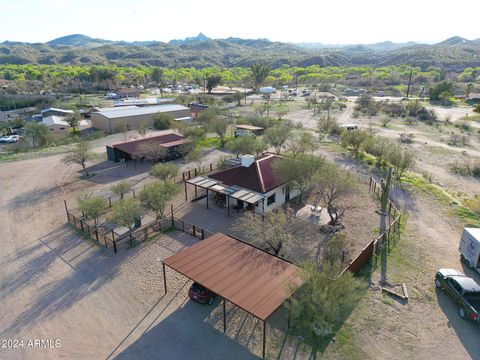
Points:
[[111, 120], [172, 144], [246, 129], [56, 124]]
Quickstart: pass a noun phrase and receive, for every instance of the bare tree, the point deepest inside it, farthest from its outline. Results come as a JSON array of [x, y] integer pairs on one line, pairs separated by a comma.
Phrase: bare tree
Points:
[[150, 151], [332, 185], [276, 233], [80, 155]]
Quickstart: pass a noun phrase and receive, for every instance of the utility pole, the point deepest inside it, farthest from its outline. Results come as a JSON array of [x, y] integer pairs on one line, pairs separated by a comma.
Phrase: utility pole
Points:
[[383, 224], [409, 82]]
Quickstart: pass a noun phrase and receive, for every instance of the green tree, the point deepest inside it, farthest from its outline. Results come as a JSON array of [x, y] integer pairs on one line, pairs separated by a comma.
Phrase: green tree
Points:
[[81, 153], [402, 159], [277, 136], [73, 120], [155, 196], [319, 308], [142, 129], [38, 134], [121, 188], [441, 90], [163, 121], [165, 171], [354, 139], [157, 75], [196, 156], [212, 82], [302, 142], [126, 213], [260, 73], [91, 206], [299, 172], [379, 147], [246, 145]]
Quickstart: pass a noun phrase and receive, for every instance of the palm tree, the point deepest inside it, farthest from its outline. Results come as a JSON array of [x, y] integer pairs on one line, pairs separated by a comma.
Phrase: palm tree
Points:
[[260, 73]]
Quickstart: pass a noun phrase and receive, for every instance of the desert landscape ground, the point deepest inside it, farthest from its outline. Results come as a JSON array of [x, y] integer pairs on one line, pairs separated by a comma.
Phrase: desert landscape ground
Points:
[[57, 285]]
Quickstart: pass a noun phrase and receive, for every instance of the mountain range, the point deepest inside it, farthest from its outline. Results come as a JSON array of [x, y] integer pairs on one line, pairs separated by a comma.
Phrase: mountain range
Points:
[[454, 53]]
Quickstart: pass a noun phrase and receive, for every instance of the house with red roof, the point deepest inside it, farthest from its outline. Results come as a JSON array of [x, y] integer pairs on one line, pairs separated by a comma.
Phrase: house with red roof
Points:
[[252, 184]]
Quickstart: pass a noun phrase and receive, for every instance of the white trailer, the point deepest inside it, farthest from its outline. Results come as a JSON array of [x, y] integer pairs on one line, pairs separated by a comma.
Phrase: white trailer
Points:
[[470, 247]]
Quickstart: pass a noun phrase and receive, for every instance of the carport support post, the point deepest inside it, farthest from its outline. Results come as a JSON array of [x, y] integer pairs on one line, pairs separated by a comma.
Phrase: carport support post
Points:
[[207, 198], [224, 317], [185, 186], [264, 337], [66, 210], [164, 278], [228, 206]]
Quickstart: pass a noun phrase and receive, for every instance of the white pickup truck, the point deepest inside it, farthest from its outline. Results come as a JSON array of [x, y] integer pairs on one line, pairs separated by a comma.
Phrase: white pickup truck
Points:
[[470, 247]]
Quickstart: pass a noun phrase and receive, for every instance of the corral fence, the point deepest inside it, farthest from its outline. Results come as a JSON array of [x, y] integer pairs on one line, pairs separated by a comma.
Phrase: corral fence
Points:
[[136, 235], [390, 237]]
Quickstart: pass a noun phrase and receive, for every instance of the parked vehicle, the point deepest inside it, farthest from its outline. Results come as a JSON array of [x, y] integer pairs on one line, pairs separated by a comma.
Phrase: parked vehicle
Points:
[[464, 290], [470, 247], [9, 139], [201, 294]]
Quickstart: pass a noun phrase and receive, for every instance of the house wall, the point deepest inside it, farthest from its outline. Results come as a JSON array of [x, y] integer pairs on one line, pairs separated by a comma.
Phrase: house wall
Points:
[[279, 198], [103, 123], [58, 129]]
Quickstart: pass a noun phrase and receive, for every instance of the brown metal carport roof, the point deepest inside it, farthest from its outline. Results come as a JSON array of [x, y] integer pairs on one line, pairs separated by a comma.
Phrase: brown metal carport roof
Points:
[[248, 277]]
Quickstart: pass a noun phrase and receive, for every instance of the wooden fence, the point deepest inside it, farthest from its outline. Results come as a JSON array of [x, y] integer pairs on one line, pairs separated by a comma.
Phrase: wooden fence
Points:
[[391, 235]]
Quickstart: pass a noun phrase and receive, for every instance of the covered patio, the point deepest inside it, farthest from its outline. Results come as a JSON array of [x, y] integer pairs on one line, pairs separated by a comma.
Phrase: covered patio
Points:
[[229, 196], [246, 276]]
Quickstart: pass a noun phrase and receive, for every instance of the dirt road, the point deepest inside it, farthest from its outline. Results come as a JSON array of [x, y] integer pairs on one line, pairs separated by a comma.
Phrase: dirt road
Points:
[[55, 285]]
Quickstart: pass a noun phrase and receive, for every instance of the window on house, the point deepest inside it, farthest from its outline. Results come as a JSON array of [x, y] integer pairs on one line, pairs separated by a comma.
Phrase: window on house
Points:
[[62, 128], [271, 199]]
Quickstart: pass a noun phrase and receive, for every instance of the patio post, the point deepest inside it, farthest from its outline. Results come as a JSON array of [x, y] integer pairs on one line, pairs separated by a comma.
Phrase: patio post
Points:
[[207, 198], [264, 337], [228, 206], [263, 209], [224, 317], [164, 278], [185, 187]]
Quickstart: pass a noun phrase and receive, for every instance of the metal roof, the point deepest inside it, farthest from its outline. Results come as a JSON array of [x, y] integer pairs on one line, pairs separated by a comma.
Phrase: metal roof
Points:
[[234, 191], [248, 277], [475, 232], [54, 120], [58, 110], [247, 127], [120, 112]]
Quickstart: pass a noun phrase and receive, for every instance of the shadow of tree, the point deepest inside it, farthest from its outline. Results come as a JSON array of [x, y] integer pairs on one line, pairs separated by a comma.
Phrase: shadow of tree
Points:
[[90, 268]]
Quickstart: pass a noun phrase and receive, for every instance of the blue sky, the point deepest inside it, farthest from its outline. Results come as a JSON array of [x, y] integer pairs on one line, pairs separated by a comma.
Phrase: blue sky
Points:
[[329, 22]]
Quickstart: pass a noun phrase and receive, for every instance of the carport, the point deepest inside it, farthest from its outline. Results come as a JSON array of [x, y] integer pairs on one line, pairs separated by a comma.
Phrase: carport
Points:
[[230, 192], [248, 277]]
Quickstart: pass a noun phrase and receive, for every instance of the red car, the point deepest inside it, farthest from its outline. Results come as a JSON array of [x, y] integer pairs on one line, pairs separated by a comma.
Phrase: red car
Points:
[[201, 294]]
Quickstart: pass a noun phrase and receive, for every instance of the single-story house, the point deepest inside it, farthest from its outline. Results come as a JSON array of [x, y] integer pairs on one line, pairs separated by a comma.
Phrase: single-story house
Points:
[[473, 98], [110, 119], [253, 184], [56, 124], [55, 111], [246, 129], [196, 108], [128, 150]]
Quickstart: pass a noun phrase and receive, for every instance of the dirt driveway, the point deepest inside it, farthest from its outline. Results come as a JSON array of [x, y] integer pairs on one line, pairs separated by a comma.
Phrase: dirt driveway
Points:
[[55, 285]]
